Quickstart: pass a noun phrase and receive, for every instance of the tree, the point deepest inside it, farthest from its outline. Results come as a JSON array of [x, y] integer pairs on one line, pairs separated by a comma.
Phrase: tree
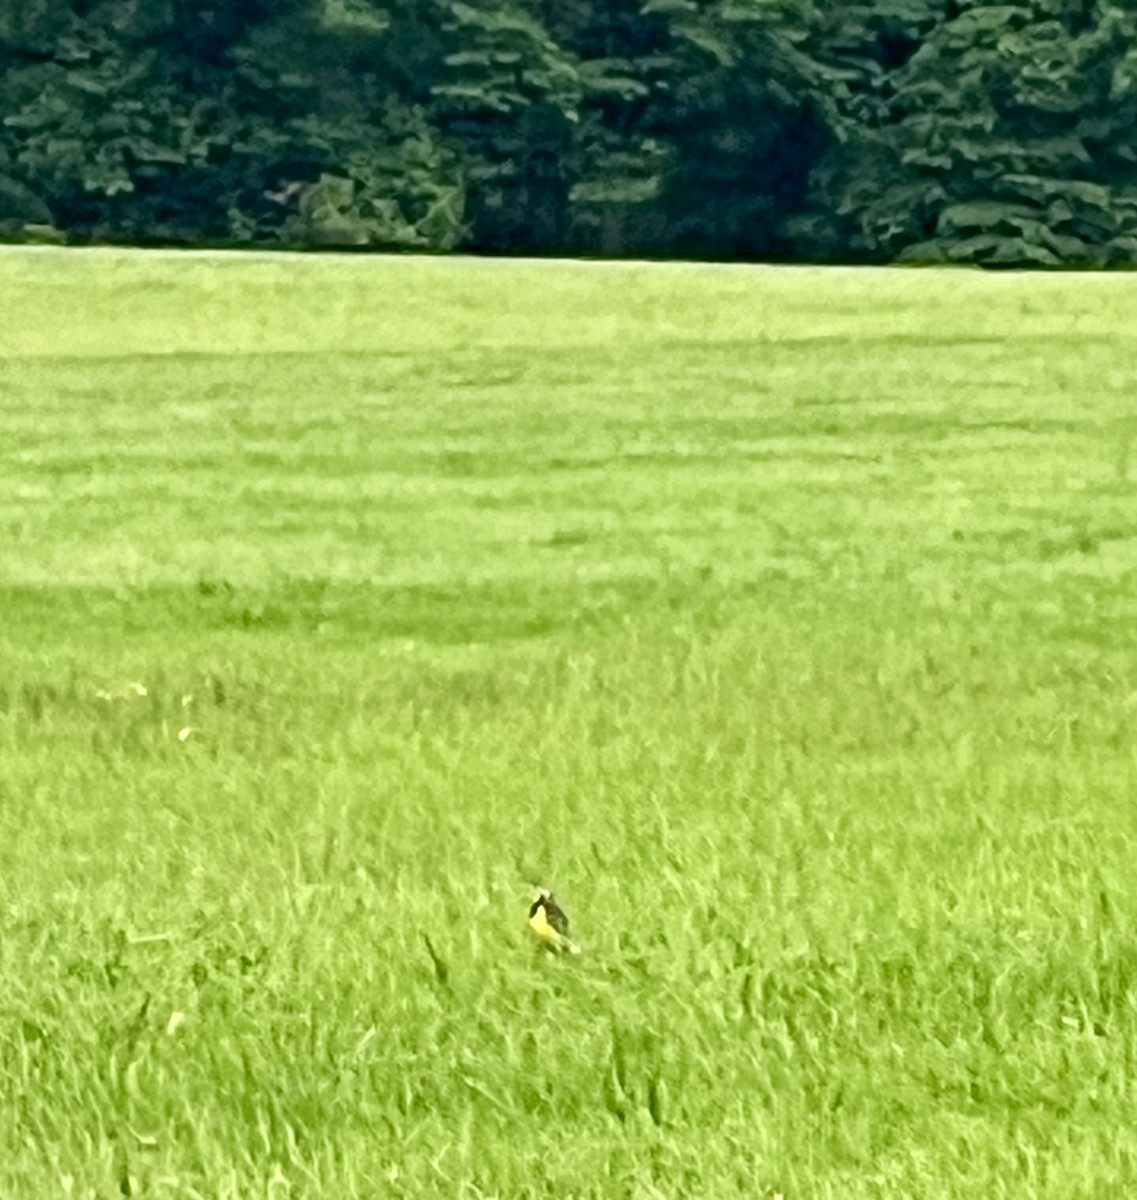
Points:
[[200, 120], [503, 98], [1007, 137], [698, 135]]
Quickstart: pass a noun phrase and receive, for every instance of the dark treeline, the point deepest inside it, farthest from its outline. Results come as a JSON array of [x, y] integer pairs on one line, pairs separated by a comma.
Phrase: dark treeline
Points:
[[904, 129]]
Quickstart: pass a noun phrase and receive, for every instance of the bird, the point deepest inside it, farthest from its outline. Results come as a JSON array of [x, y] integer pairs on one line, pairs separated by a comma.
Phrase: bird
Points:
[[548, 921]]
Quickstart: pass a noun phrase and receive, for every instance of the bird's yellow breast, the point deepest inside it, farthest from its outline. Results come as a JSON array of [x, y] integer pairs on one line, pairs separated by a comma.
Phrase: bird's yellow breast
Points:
[[539, 923]]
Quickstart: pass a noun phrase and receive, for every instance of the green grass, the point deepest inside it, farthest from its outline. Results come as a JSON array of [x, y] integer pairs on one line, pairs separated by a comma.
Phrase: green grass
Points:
[[782, 620]]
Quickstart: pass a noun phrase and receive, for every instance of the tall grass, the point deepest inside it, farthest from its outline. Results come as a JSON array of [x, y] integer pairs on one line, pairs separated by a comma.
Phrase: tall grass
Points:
[[780, 620]]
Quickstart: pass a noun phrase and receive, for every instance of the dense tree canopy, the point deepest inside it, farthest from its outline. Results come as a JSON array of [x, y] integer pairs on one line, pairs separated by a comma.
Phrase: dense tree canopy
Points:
[[943, 131]]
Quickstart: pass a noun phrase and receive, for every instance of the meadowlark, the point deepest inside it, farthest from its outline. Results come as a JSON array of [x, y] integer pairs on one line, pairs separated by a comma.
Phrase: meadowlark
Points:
[[548, 921]]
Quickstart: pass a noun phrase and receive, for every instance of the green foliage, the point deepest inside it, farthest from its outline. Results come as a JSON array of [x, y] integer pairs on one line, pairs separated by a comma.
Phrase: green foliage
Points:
[[697, 135], [1007, 138], [506, 97], [397, 188], [746, 134], [191, 128], [964, 132]]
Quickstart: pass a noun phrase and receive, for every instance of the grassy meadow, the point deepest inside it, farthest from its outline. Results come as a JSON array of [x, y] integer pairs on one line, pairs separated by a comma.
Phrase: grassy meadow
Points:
[[784, 621]]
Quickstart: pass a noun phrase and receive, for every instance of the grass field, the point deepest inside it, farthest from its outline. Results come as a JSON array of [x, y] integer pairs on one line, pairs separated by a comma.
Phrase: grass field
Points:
[[784, 621]]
